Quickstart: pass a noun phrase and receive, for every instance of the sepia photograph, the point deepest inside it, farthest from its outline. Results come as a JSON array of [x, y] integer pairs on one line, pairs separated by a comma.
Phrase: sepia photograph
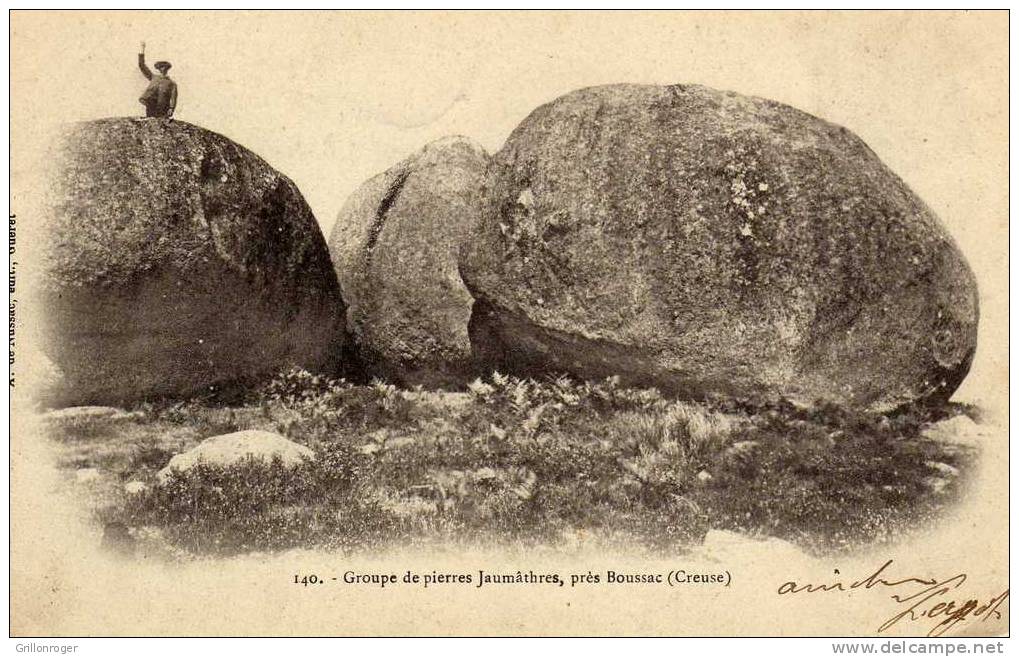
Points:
[[509, 323]]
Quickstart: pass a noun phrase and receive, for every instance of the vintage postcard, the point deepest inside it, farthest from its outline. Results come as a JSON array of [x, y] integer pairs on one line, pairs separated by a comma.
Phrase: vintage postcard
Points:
[[516, 323]]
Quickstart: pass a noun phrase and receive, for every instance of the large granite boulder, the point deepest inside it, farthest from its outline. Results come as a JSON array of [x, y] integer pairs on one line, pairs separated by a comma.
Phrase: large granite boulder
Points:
[[395, 247], [179, 263], [706, 242]]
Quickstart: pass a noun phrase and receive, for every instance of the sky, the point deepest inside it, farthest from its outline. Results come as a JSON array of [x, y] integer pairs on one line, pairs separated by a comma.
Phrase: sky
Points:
[[333, 98]]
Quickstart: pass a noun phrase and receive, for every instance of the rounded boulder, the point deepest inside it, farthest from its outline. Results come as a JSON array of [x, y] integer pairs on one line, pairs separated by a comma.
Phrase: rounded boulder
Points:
[[710, 243], [179, 263], [395, 247]]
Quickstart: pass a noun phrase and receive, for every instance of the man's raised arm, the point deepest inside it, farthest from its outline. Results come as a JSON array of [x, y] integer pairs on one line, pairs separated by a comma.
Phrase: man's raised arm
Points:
[[141, 63]]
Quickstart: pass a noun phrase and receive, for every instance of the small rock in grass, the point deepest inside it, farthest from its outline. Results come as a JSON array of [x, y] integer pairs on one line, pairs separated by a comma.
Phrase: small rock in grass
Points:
[[740, 449], [959, 431], [937, 485], [87, 475], [73, 413], [233, 448], [704, 476], [944, 470], [722, 545], [135, 487], [402, 441], [483, 474]]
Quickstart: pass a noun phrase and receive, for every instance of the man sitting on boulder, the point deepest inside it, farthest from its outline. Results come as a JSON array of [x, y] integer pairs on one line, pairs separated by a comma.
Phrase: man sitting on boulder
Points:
[[160, 98]]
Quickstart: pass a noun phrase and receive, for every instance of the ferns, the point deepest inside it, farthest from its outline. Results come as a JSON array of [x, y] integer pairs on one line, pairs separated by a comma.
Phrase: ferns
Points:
[[516, 460]]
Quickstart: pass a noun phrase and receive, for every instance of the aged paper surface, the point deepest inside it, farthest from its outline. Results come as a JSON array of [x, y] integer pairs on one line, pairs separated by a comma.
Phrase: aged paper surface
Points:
[[332, 99]]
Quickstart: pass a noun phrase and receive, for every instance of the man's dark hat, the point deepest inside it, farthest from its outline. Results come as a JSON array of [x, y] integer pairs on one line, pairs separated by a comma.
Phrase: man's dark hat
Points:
[[161, 65]]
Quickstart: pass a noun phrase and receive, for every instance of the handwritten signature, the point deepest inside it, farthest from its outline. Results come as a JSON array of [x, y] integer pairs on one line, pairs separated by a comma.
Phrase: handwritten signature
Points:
[[917, 598]]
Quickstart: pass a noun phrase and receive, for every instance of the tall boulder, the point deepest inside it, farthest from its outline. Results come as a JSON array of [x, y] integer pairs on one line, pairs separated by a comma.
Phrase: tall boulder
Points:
[[178, 263], [395, 247], [706, 242]]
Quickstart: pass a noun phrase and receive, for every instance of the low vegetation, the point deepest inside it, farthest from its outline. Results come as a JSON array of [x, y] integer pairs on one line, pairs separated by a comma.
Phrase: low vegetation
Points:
[[511, 461]]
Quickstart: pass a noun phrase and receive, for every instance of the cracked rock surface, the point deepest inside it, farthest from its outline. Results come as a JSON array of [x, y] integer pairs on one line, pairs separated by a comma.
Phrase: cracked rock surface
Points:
[[395, 246]]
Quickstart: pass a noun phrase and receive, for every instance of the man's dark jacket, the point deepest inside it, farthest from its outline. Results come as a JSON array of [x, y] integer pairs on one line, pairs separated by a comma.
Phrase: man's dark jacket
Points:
[[160, 97]]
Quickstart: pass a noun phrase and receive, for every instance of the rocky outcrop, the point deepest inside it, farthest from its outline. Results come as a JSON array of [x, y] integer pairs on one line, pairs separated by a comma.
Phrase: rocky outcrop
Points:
[[395, 247], [179, 263], [233, 448], [711, 243]]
